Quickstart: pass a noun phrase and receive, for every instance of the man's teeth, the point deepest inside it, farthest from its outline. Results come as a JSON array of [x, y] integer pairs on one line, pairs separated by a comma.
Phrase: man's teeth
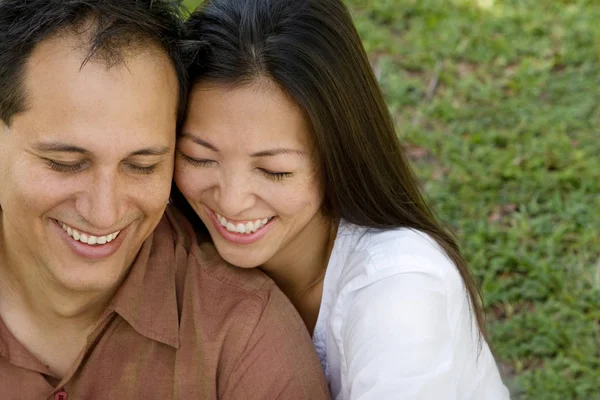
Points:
[[89, 239], [248, 227]]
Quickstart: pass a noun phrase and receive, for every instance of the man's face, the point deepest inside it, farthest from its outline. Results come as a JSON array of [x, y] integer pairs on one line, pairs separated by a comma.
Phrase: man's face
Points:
[[85, 172]]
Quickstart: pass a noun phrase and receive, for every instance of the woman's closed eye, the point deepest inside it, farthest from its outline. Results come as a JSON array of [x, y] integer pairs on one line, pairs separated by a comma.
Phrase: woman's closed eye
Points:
[[274, 175], [269, 174], [194, 161]]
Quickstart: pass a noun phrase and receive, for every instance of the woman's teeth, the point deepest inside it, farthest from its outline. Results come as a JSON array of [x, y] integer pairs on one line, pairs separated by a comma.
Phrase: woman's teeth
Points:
[[89, 239], [247, 228]]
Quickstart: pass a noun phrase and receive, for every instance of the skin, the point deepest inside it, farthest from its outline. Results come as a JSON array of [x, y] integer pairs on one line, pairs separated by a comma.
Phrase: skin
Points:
[[246, 153], [122, 121]]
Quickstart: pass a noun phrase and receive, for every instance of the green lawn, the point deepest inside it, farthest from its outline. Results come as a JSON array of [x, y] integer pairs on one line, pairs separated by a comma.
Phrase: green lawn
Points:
[[497, 103]]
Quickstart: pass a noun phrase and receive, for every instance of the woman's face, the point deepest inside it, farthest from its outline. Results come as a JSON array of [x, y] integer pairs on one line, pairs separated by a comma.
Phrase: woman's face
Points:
[[246, 164]]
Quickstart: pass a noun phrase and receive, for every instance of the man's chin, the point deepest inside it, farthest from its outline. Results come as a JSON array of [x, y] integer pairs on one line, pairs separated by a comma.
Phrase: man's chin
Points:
[[80, 277]]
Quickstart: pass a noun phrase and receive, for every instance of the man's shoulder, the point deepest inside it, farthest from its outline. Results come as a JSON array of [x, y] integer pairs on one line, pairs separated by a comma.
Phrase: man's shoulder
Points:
[[205, 262], [228, 304], [241, 326]]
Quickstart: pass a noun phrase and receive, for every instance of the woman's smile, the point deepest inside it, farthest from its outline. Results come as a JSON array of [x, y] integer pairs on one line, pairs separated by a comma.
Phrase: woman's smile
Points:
[[240, 232]]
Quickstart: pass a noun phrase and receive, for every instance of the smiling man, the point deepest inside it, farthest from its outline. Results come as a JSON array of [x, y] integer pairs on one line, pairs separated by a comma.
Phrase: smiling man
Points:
[[102, 294]]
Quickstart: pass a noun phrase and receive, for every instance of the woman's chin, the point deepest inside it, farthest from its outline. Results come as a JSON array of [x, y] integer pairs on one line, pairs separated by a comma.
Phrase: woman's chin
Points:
[[241, 265], [241, 260]]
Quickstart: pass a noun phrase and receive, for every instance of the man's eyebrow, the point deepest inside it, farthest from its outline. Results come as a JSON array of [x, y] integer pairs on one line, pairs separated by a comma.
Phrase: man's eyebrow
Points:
[[199, 141], [151, 151], [59, 147]]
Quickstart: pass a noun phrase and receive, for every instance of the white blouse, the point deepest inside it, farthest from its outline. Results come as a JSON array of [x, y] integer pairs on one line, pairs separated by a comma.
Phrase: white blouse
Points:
[[395, 322]]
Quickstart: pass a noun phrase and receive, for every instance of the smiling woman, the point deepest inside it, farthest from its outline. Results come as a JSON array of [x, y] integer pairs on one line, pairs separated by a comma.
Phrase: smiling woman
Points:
[[289, 159]]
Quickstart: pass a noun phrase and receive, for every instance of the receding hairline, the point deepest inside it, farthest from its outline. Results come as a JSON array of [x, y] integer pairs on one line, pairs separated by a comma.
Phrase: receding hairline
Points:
[[77, 39], [113, 50]]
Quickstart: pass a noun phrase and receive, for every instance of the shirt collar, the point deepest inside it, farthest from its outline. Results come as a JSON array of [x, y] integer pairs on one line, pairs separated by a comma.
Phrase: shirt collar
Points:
[[147, 298]]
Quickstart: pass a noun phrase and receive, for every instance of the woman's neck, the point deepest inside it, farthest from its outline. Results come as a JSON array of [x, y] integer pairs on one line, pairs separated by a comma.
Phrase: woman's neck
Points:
[[299, 268]]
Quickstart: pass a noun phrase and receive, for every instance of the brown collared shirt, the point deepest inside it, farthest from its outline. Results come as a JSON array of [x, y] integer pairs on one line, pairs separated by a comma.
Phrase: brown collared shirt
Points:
[[183, 325]]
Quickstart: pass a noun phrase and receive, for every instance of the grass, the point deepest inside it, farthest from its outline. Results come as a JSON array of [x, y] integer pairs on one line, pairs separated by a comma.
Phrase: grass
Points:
[[497, 103]]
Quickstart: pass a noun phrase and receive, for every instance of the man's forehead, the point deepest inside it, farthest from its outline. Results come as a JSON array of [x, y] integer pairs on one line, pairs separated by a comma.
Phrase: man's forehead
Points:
[[63, 60], [79, 106]]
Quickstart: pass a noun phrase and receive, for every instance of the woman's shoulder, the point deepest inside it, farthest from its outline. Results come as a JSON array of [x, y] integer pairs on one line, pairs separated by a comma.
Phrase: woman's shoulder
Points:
[[404, 310], [370, 254]]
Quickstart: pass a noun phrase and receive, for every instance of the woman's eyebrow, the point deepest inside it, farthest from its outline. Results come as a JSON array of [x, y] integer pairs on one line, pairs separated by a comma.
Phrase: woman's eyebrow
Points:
[[199, 141], [262, 153], [276, 152]]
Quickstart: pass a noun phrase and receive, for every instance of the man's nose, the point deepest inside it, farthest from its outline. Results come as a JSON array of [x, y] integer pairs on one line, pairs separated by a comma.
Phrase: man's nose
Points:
[[101, 205]]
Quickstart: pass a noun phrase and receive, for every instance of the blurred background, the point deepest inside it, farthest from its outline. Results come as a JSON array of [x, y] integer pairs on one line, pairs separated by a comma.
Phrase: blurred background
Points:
[[497, 105]]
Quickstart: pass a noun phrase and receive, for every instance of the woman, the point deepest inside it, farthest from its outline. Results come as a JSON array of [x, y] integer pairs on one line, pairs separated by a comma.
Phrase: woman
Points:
[[290, 160]]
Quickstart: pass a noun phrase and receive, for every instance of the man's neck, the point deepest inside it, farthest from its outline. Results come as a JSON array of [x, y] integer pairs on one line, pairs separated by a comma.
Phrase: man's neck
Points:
[[52, 323], [25, 289]]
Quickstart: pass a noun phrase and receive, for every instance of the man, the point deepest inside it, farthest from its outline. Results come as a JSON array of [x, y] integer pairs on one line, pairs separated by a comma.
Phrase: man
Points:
[[101, 296]]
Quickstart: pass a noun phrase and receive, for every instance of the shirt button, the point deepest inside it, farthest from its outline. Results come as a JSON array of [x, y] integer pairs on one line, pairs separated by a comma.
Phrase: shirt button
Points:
[[62, 395]]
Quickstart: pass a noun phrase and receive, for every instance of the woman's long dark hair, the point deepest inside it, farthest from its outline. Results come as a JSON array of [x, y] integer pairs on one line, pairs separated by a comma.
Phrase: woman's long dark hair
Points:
[[311, 49]]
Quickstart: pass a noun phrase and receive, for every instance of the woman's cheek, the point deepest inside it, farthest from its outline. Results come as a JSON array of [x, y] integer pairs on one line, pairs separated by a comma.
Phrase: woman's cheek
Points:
[[188, 179], [294, 199]]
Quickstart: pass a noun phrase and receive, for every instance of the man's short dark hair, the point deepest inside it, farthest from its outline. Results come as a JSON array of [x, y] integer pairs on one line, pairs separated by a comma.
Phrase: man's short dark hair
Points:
[[112, 29]]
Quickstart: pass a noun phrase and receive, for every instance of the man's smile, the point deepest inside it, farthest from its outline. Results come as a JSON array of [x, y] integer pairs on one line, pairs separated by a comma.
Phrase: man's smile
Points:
[[88, 238]]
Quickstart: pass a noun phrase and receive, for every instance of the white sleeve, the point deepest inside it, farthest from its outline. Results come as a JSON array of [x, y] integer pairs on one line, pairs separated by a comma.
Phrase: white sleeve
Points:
[[397, 340]]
